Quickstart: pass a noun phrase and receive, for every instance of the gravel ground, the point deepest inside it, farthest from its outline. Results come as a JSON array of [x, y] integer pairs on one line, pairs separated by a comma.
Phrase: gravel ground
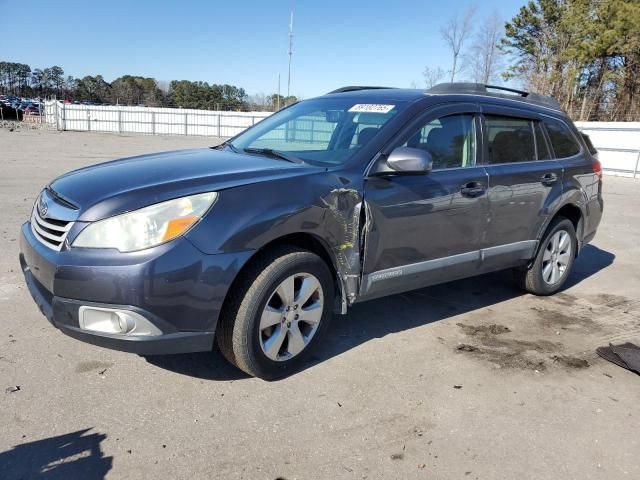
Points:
[[470, 379]]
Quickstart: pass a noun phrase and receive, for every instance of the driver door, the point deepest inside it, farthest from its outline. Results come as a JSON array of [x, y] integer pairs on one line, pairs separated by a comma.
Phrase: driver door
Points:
[[428, 229]]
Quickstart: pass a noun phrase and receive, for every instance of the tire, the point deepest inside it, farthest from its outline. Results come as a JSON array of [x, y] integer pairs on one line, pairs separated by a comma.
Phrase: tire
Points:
[[259, 299], [542, 277]]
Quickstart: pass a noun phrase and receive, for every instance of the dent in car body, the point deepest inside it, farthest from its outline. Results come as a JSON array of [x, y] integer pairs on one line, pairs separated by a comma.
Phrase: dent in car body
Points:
[[292, 199], [320, 204], [346, 208]]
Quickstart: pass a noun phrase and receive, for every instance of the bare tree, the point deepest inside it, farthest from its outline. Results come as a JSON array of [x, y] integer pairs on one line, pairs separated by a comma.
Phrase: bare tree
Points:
[[432, 76], [164, 85], [455, 33], [484, 56]]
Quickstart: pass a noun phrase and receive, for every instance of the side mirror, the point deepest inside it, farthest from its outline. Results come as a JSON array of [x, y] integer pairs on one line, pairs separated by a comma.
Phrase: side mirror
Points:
[[409, 161]]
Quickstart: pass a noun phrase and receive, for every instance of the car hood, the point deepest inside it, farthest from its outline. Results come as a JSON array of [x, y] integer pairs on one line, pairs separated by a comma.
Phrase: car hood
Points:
[[106, 189]]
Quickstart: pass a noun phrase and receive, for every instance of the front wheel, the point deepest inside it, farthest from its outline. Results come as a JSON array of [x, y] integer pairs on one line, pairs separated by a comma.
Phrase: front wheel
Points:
[[553, 262], [278, 313]]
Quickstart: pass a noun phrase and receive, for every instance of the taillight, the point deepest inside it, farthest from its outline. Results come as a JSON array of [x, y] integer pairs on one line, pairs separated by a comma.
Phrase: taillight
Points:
[[597, 167]]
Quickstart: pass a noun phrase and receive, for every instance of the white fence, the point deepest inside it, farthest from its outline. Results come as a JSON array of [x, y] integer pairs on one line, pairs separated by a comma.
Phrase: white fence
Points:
[[149, 120], [618, 145]]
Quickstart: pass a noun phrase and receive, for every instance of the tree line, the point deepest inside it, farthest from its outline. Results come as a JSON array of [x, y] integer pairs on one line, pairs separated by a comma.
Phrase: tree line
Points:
[[585, 53], [20, 80]]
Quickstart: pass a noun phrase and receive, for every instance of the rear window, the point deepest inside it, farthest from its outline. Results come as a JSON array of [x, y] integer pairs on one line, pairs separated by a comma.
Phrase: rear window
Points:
[[563, 142]]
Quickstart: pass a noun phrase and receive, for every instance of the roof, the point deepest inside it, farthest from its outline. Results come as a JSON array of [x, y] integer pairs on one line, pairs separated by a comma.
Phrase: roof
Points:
[[371, 93], [378, 93], [494, 91]]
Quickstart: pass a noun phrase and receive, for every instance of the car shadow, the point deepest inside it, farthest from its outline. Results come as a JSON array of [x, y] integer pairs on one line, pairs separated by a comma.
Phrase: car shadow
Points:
[[73, 455], [377, 318], [204, 365], [590, 261]]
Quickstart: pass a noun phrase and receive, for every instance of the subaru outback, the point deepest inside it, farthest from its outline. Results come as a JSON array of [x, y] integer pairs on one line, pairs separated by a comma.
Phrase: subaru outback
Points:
[[361, 193]]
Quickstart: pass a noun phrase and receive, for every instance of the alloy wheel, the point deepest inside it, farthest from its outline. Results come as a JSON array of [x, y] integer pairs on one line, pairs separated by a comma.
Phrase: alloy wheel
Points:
[[556, 257], [291, 316]]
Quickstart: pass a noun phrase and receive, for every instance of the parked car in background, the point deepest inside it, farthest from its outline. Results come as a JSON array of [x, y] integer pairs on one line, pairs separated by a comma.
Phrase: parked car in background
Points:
[[33, 109], [361, 193]]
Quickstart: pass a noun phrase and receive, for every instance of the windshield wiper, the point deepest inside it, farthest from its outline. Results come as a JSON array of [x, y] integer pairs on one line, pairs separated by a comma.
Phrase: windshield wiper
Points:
[[273, 153], [227, 144]]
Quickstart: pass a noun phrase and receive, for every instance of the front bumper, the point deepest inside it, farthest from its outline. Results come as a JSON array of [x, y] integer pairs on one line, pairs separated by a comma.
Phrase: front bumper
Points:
[[174, 286]]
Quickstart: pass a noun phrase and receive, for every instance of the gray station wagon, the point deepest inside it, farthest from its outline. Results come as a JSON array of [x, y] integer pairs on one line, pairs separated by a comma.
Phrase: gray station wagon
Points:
[[360, 193]]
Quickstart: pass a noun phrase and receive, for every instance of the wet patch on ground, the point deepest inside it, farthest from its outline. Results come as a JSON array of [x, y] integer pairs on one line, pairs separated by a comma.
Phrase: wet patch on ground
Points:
[[610, 300], [504, 359], [560, 320], [491, 344], [570, 362], [521, 346], [91, 365], [493, 329]]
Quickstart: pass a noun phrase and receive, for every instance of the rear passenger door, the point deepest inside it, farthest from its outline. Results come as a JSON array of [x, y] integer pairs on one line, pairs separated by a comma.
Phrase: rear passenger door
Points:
[[524, 184]]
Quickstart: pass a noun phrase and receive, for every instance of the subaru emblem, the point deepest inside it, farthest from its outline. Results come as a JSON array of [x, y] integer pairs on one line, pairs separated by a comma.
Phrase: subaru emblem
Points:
[[43, 208]]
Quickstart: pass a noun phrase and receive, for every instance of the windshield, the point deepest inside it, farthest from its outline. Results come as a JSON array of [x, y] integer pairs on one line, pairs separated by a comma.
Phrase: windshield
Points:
[[323, 131]]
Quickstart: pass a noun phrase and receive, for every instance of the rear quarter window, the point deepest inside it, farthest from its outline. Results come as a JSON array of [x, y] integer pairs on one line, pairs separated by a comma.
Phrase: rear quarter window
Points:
[[563, 142], [589, 144]]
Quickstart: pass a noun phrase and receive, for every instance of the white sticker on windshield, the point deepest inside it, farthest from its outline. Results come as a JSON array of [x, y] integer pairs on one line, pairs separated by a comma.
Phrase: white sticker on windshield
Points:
[[371, 108]]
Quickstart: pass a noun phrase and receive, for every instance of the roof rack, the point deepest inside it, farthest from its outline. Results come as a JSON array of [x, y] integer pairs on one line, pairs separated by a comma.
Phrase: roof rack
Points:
[[489, 90], [355, 88]]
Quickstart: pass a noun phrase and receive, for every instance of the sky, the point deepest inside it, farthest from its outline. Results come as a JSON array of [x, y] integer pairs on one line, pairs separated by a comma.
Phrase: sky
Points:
[[240, 42]]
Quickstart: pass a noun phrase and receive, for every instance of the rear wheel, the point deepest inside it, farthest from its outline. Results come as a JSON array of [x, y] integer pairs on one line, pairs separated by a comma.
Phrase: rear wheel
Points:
[[279, 312], [553, 263]]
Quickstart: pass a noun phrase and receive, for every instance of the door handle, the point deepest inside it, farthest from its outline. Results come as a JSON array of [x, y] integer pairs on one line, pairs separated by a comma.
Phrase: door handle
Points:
[[549, 178], [472, 189]]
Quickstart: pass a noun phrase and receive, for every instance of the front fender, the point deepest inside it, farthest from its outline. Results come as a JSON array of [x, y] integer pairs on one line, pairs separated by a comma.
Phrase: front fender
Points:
[[326, 205]]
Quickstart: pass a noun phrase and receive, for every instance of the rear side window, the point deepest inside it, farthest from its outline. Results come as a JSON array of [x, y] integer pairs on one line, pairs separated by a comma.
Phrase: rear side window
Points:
[[562, 141], [510, 139]]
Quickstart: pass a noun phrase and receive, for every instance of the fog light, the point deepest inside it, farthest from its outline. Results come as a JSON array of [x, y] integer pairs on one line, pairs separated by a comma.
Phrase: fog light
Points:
[[111, 320]]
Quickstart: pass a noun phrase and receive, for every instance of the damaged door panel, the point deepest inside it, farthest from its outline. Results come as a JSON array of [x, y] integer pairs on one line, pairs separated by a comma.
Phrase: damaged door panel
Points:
[[347, 215]]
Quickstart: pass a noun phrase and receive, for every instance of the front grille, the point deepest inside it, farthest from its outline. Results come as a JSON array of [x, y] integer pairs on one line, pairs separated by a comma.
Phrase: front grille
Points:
[[51, 232]]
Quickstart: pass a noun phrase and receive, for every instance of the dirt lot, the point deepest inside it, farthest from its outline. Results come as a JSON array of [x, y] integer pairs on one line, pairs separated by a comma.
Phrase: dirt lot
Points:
[[466, 380]]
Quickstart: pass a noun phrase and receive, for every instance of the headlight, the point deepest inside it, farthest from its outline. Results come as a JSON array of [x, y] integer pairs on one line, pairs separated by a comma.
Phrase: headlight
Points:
[[148, 226]]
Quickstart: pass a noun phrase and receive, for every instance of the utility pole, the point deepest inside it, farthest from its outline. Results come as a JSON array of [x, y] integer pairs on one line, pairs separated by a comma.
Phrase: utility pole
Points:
[[278, 97], [290, 55]]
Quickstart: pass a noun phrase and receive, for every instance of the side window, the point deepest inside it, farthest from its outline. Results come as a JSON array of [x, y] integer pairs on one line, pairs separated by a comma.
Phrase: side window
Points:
[[541, 144], [510, 139], [450, 140], [562, 140]]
